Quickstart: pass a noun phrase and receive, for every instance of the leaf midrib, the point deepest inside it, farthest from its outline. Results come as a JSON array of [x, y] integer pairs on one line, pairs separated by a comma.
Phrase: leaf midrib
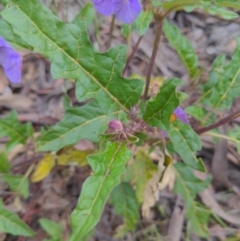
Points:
[[75, 62], [14, 223], [228, 89], [184, 140], [99, 190], [79, 126], [159, 111], [12, 130]]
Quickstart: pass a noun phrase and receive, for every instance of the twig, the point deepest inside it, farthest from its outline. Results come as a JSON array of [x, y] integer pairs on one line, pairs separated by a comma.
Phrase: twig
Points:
[[132, 54], [221, 122], [108, 44], [159, 23], [177, 220]]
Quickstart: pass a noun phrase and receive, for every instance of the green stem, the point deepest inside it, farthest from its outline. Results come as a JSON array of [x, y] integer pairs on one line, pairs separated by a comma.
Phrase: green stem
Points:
[[159, 23], [222, 136], [26, 175]]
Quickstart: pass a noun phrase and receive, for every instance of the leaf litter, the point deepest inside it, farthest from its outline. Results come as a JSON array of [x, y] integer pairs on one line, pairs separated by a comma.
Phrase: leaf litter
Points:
[[38, 99]]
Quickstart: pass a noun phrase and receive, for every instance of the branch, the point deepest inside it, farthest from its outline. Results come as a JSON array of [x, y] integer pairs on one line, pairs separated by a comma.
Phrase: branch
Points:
[[221, 122], [159, 23], [132, 54]]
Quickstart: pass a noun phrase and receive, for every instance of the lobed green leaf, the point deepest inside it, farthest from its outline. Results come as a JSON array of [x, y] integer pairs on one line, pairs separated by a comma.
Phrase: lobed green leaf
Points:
[[196, 111], [18, 133], [235, 4], [234, 136], [86, 14], [7, 33], [5, 166], [107, 167], [125, 203], [181, 4], [88, 121], [142, 21], [126, 30], [183, 47], [160, 108], [17, 183], [98, 75], [12, 224], [220, 12], [52, 228], [207, 88], [224, 82], [186, 142], [178, 4]]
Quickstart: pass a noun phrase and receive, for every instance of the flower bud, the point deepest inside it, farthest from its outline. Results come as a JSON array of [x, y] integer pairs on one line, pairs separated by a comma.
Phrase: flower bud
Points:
[[115, 125]]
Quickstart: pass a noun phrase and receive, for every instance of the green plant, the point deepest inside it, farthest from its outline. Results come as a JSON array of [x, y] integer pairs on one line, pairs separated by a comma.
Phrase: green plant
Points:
[[115, 115]]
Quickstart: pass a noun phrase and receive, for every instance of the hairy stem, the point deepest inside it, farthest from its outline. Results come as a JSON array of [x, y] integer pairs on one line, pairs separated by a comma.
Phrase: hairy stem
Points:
[[159, 22], [220, 122], [132, 54]]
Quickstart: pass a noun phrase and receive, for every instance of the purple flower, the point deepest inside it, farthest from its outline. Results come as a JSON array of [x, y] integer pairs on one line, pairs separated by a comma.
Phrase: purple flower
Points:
[[125, 10], [11, 61], [179, 114]]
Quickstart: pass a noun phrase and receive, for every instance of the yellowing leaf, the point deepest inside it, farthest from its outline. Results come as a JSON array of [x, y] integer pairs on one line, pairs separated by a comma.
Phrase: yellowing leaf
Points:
[[165, 176], [43, 168], [64, 157], [155, 84], [168, 174], [145, 168], [71, 155], [151, 191]]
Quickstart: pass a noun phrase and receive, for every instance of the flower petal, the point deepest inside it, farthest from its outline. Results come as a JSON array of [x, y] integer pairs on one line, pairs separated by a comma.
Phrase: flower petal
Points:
[[11, 61], [181, 115], [105, 7], [127, 10]]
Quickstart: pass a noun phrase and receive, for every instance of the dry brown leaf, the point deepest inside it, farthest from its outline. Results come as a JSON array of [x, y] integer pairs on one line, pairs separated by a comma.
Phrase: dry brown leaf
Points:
[[177, 220], [219, 166], [164, 177], [221, 232], [150, 197], [18, 149], [14, 101], [168, 175], [207, 198]]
